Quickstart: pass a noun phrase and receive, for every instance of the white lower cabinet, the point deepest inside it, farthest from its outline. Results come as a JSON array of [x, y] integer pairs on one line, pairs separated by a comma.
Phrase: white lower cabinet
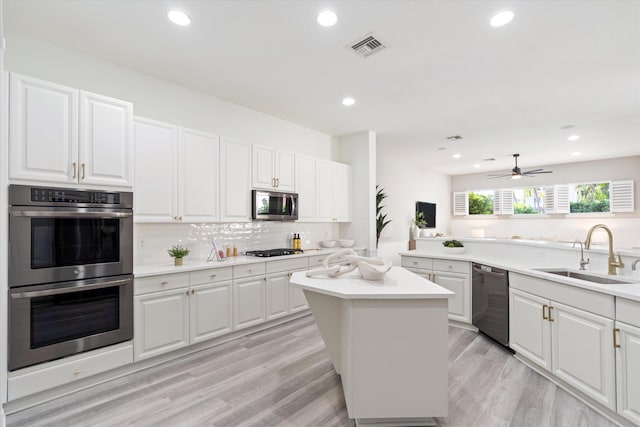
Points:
[[452, 275], [297, 300], [248, 301], [573, 344], [175, 310], [64, 371], [161, 322], [210, 310], [628, 371], [277, 295]]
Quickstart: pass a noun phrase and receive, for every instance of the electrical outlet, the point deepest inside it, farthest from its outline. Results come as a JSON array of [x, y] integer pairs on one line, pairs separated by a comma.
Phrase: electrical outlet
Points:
[[140, 243]]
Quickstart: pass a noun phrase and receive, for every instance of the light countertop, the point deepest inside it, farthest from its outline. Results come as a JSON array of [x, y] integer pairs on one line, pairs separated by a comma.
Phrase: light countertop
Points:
[[144, 270], [627, 290], [397, 284]]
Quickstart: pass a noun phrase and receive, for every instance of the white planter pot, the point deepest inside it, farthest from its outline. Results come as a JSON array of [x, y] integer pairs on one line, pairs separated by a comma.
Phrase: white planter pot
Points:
[[453, 250]]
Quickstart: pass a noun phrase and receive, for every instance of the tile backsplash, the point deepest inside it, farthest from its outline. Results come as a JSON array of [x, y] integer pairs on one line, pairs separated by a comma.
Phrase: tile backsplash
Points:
[[151, 241]]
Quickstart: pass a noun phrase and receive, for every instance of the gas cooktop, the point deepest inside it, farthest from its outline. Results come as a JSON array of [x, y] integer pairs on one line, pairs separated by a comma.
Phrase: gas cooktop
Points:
[[274, 252]]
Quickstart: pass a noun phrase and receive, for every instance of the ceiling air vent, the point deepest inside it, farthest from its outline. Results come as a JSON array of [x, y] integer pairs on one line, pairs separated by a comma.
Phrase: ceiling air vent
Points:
[[367, 45]]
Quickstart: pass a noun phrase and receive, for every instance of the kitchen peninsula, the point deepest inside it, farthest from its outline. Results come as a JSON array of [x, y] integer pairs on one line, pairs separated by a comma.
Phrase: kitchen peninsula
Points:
[[387, 340]]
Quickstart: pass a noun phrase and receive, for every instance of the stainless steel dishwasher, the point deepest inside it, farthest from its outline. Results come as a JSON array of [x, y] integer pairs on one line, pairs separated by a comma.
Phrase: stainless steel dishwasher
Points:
[[490, 302]]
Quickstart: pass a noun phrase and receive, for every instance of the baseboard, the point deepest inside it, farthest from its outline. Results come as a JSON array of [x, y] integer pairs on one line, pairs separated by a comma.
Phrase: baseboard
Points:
[[462, 325]]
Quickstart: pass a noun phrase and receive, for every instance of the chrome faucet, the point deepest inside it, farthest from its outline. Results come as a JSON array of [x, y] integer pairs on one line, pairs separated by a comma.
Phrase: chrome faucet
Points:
[[583, 263], [612, 256], [633, 266]]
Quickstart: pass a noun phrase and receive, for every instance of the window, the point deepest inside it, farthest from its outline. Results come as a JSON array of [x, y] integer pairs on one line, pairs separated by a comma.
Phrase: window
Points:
[[481, 202], [589, 197], [527, 201]]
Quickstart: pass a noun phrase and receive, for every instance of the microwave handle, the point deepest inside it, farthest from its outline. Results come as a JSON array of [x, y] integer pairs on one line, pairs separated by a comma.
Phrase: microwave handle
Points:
[[69, 288], [293, 205], [67, 214]]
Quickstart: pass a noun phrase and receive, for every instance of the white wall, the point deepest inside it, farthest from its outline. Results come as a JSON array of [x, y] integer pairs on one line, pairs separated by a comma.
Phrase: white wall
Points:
[[407, 180], [160, 100], [359, 150], [625, 227]]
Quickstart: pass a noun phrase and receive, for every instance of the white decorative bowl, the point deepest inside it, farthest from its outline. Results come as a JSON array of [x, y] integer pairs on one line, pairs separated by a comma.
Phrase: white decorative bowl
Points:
[[453, 250], [328, 243], [346, 243]]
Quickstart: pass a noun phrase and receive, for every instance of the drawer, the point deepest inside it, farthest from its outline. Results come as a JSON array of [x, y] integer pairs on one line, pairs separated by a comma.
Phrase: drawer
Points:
[[628, 311], [451, 266], [417, 262], [163, 282], [52, 374], [246, 270], [210, 275], [287, 264], [317, 260]]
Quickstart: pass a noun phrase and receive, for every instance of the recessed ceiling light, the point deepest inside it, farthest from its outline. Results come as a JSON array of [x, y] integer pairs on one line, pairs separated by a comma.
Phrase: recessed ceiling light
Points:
[[456, 156], [575, 153], [501, 18], [476, 165], [348, 101], [454, 138], [179, 18], [327, 18], [574, 137]]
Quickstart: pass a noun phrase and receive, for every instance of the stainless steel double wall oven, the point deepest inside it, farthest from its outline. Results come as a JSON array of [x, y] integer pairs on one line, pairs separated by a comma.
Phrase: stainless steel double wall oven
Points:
[[70, 272]]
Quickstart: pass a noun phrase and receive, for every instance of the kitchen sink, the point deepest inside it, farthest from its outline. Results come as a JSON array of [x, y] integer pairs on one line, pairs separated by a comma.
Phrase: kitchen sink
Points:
[[603, 280]]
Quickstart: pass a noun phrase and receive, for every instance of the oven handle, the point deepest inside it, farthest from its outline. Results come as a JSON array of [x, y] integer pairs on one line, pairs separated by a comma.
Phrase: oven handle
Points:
[[69, 288], [488, 273], [75, 214]]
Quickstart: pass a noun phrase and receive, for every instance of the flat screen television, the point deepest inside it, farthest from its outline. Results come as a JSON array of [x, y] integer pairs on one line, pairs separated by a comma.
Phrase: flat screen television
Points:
[[429, 211]]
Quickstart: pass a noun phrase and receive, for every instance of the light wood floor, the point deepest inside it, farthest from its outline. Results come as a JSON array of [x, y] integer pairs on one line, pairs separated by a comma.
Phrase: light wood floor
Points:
[[283, 377]]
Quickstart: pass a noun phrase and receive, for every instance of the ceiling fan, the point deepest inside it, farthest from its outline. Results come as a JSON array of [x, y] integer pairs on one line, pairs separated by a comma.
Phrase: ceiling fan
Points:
[[516, 173]]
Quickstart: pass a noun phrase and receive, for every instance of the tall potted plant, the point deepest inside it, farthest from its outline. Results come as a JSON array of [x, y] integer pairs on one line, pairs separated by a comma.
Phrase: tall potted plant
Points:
[[381, 219]]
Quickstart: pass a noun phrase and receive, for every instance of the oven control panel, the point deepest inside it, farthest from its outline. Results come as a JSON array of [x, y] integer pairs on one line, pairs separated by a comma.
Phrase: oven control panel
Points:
[[59, 195]]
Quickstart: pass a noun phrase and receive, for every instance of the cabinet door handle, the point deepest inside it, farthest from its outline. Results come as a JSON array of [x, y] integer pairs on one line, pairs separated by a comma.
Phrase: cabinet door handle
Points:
[[82, 171], [273, 182], [290, 274], [550, 319], [187, 292], [277, 182], [615, 337], [163, 283], [193, 291], [544, 313], [213, 276], [75, 170], [180, 218]]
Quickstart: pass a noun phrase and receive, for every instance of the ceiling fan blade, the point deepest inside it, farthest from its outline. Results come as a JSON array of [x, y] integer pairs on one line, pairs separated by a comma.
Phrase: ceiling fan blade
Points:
[[534, 170], [535, 173]]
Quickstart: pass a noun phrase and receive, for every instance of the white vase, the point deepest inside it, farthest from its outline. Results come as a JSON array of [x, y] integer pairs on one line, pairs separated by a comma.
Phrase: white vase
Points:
[[454, 250], [413, 232]]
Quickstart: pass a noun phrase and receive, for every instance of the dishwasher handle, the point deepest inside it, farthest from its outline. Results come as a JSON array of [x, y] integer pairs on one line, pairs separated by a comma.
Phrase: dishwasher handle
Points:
[[488, 273]]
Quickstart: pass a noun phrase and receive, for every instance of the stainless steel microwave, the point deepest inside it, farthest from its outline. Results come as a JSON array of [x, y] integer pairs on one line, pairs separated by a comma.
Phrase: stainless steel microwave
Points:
[[274, 205]]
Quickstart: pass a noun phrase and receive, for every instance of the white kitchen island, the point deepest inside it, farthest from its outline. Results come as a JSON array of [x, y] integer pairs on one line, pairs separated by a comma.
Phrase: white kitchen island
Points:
[[388, 341]]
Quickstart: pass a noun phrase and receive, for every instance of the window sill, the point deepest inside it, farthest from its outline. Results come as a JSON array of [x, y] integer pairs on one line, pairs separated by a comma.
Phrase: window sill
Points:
[[590, 215], [529, 216]]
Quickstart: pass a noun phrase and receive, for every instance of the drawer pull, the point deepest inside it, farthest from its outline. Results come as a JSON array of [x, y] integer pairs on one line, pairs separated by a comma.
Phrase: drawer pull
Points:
[[544, 312], [213, 276], [615, 338], [164, 283], [415, 262], [77, 371]]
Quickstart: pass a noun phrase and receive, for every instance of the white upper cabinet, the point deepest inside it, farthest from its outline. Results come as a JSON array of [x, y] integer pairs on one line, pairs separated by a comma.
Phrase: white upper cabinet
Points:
[[306, 187], [235, 180], [199, 157], [273, 169], [61, 135], [156, 171], [106, 141], [176, 173], [333, 191]]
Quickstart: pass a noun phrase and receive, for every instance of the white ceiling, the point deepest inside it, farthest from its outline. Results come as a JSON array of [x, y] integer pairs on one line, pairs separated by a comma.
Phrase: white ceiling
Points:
[[445, 70]]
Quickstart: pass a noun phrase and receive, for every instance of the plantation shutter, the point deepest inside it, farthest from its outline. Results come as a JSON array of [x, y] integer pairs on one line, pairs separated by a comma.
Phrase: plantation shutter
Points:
[[556, 199], [460, 203], [497, 202], [621, 196], [507, 202]]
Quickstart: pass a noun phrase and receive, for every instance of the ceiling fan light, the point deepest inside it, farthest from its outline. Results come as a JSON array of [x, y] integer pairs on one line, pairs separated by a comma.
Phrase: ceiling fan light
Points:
[[514, 176]]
